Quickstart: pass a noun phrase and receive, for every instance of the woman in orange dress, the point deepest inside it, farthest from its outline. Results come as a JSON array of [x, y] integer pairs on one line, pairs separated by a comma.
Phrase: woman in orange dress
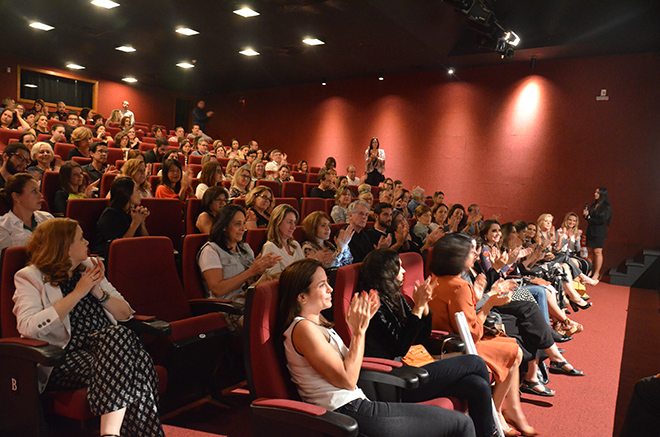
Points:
[[451, 294]]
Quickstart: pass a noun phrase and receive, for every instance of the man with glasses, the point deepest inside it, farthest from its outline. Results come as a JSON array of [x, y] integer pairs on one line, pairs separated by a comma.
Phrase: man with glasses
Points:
[[72, 122], [15, 159], [95, 169], [201, 147]]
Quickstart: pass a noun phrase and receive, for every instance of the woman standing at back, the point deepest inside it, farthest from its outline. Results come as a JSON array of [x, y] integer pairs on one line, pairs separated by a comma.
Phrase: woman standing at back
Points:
[[598, 216]]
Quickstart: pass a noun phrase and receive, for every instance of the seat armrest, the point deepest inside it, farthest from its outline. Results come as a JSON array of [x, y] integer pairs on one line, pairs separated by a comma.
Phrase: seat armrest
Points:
[[148, 325], [206, 306], [283, 417], [28, 349], [439, 344], [403, 377]]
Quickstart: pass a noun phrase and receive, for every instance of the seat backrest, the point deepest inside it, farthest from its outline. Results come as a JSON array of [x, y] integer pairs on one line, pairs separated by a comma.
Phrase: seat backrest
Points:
[[307, 188], [6, 134], [293, 189], [13, 259], [195, 169], [106, 182], [193, 282], [299, 176], [147, 139], [313, 178], [345, 286], [87, 213], [50, 183], [154, 181], [192, 211], [240, 201], [313, 169], [144, 272], [354, 190], [309, 205], [145, 147], [273, 185], [81, 160], [265, 362], [375, 191], [164, 219], [196, 159], [293, 201], [63, 150], [413, 264], [256, 238], [114, 155], [329, 204]]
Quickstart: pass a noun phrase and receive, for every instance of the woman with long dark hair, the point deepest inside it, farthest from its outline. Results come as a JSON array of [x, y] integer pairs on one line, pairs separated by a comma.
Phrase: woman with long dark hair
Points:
[[374, 158], [396, 327], [598, 217], [326, 372]]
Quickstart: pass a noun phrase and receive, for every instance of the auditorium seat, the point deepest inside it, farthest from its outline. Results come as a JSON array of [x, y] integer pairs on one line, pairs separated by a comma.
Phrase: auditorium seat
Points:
[[329, 203], [164, 219], [106, 182], [274, 186], [145, 147], [299, 176], [239, 201], [307, 188], [196, 159], [354, 190], [6, 134], [81, 160], [315, 170], [114, 155], [63, 150], [313, 178], [50, 183], [154, 181], [87, 213], [256, 238], [293, 189], [293, 201], [309, 205], [193, 206]]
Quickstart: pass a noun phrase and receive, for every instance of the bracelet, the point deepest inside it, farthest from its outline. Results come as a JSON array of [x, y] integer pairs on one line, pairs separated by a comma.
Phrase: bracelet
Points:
[[103, 299]]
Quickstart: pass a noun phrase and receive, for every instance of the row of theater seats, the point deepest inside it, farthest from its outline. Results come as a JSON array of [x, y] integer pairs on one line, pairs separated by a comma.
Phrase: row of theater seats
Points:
[[188, 347]]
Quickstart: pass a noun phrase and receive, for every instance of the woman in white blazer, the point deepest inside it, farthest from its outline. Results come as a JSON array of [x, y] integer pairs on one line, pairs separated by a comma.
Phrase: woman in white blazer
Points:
[[62, 297]]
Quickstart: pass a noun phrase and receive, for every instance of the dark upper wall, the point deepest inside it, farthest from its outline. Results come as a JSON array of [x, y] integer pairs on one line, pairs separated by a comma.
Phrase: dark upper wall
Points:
[[516, 140], [150, 105]]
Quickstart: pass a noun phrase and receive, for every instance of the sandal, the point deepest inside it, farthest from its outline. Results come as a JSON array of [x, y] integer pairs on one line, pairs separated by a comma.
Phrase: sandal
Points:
[[529, 387], [558, 367]]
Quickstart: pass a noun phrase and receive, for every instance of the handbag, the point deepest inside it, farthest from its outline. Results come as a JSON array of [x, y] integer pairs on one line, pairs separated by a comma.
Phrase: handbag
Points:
[[417, 356]]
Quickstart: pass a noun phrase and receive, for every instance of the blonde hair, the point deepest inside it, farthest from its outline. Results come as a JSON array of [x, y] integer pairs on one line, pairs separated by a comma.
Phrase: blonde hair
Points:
[[577, 221], [340, 192], [131, 167], [37, 146], [79, 134], [276, 219], [253, 169], [48, 248], [251, 197], [541, 218], [237, 176]]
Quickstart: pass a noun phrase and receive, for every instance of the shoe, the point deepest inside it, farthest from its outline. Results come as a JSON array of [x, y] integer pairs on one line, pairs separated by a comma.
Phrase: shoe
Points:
[[585, 296], [558, 367], [542, 373], [511, 432], [570, 327], [530, 388], [589, 281], [561, 351], [577, 307]]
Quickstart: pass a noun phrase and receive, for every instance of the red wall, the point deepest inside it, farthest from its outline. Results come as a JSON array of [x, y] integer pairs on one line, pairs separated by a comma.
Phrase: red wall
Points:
[[150, 105], [518, 141]]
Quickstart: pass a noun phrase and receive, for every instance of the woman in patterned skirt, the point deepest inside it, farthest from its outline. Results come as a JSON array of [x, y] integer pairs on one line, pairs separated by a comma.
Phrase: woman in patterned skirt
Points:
[[62, 297]]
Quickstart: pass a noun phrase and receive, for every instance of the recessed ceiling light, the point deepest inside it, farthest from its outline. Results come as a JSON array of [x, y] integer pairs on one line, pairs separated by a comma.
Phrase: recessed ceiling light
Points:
[[129, 79], [324, 83], [75, 66], [184, 65], [246, 12], [248, 52], [126, 49], [450, 71], [381, 78], [30, 85], [41, 26], [313, 41], [108, 4], [187, 31]]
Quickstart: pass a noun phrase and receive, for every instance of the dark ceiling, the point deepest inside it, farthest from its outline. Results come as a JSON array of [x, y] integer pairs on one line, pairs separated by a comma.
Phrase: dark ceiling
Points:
[[363, 38]]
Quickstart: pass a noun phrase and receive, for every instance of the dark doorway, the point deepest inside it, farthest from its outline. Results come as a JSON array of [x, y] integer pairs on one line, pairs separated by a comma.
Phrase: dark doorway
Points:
[[182, 114]]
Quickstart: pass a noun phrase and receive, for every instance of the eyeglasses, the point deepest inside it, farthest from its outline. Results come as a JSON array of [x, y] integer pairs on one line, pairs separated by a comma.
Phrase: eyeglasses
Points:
[[20, 157], [246, 176], [267, 198]]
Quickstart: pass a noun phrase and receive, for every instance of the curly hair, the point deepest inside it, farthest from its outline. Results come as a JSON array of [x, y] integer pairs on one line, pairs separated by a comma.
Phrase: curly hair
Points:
[[48, 248], [379, 271]]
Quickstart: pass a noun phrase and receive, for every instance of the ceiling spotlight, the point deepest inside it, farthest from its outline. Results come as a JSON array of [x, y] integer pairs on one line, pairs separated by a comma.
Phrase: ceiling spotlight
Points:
[[246, 12], [187, 31], [108, 4], [41, 26], [125, 49], [75, 66], [249, 52], [512, 38], [185, 65], [450, 71], [313, 41], [322, 83], [30, 85], [381, 78], [129, 79]]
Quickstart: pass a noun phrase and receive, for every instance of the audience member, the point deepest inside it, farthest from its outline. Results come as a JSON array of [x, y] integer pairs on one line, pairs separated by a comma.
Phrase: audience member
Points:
[[211, 175], [374, 158], [80, 138], [317, 245], [280, 242], [200, 146], [324, 189], [417, 198], [23, 198], [174, 183], [95, 169], [258, 170], [43, 160], [15, 159], [212, 201], [136, 169], [72, 186], [351, 174], [123, 218], [260, 202], [241, 183], [158, 152], [339, 212], [125, 112]]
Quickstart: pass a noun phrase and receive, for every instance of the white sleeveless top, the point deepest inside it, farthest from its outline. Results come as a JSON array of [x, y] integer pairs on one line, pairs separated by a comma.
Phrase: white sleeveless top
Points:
[[311, 385]]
